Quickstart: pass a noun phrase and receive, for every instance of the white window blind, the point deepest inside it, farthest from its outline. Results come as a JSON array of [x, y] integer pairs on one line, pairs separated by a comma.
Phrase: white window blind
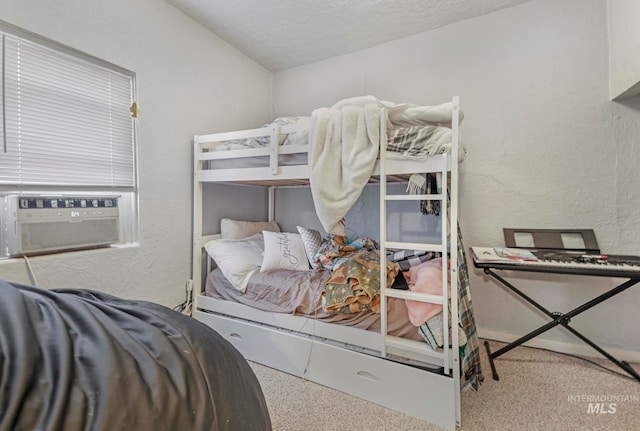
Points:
[[65, 120]]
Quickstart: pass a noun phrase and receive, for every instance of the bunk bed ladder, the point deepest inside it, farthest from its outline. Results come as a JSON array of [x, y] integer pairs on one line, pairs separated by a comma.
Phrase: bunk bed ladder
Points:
[[448, 356]]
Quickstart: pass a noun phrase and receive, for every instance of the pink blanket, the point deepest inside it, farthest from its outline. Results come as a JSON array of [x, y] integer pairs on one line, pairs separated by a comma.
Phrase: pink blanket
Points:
[[425, 278]]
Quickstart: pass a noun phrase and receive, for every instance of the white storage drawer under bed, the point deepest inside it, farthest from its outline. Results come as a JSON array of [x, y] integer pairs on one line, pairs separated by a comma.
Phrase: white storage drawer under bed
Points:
[[374, 379], [261, 344], [385, 382]]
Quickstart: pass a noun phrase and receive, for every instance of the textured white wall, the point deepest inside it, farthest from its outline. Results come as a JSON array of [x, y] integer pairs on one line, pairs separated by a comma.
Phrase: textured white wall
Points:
[[188, 81], [546, 146]]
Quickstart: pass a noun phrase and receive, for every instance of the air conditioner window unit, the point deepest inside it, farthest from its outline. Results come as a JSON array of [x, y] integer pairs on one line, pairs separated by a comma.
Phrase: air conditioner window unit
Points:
[[44, 224]]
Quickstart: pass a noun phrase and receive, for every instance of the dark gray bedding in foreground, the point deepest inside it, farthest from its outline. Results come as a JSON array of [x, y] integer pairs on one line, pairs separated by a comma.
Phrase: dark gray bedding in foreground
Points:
[[75, 359]]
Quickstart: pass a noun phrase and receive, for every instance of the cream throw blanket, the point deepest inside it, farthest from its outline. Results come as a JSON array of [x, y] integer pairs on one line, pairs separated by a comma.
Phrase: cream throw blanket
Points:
[[344, 146]]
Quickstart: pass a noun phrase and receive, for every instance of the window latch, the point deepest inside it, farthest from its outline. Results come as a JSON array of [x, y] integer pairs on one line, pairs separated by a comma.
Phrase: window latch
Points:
[[135, 110]]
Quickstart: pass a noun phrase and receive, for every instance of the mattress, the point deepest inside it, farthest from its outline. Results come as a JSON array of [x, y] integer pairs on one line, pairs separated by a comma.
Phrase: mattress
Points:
[[299, 293]]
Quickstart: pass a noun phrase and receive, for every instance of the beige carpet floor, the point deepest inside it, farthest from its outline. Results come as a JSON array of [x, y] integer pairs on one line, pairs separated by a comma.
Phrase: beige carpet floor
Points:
[[537, 390]]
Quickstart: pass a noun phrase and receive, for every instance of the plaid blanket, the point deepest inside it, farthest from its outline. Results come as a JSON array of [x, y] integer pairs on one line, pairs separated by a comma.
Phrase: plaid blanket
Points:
[[419, 142], [471, 370], [408, 258]]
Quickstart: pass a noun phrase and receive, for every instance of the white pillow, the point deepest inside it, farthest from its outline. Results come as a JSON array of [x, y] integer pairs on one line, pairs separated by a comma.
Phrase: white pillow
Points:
[[238, 229], [283, 250], [312, 241], [237, 258]]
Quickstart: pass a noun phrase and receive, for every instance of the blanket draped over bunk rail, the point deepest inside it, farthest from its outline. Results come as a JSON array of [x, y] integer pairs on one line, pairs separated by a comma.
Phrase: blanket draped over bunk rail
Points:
[[344, 146], [81, 360], [345, 142]]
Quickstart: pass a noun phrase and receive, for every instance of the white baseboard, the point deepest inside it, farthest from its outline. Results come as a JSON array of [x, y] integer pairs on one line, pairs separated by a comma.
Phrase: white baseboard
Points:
[[578, 348]]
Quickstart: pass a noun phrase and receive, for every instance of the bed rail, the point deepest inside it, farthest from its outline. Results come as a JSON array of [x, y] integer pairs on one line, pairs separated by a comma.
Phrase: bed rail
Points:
[[274, 169]]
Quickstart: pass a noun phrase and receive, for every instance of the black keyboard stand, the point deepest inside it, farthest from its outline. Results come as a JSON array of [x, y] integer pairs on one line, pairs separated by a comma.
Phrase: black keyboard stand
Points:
[[558, 318]]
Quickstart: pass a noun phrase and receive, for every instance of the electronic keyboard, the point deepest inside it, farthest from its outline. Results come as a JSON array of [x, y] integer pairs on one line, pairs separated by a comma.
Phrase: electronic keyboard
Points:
[[571, 263], [551, 254]]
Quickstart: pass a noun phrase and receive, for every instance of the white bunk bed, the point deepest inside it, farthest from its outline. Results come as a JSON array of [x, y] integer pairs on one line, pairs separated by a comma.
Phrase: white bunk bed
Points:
[[404, 375]]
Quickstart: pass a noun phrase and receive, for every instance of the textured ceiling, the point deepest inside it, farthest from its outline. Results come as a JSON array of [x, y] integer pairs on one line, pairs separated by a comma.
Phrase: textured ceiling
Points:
[[280, 34]]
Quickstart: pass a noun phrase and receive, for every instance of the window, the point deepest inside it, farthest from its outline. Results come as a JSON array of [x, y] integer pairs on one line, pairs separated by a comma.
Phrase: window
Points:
[[67, 124]]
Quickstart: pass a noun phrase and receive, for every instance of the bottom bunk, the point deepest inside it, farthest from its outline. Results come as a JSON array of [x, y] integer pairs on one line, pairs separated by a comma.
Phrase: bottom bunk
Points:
[[277, 319]]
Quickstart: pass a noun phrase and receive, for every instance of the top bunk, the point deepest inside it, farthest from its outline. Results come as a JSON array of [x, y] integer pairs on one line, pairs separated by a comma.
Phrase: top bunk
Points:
[[345, 139]]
